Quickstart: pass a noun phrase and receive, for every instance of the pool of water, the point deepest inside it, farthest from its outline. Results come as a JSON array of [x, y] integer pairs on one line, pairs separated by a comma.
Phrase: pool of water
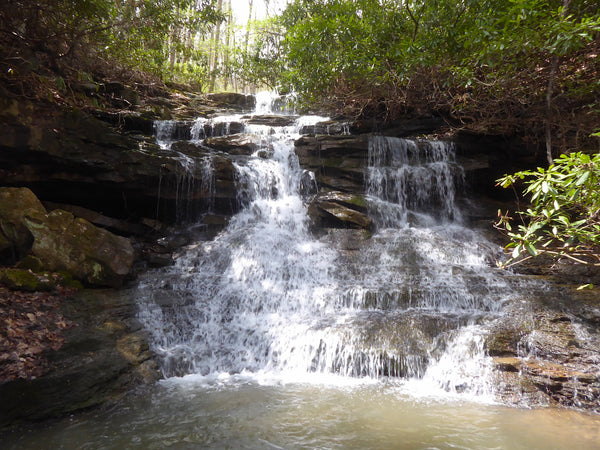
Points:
[[249, 413]]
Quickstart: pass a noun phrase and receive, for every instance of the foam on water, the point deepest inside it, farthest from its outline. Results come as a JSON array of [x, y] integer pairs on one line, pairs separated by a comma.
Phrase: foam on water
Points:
[[266, 299]]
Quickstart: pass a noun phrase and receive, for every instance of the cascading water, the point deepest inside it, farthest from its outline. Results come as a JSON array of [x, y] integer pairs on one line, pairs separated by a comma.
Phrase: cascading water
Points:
[[270, 337], [266, 296], [407, 177]]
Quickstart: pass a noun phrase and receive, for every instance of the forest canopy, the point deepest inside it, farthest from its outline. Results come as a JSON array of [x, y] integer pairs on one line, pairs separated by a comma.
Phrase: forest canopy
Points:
[[498, 67], [493, 66]]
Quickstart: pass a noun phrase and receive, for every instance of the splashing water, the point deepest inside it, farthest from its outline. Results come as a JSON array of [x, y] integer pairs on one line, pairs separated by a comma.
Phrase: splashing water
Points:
[[267, 297]]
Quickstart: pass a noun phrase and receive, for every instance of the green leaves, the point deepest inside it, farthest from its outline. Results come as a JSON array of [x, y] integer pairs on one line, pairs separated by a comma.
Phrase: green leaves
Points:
[[564, 217]]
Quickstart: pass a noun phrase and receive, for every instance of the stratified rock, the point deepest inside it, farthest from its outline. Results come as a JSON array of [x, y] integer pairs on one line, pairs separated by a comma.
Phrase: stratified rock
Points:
[[212, 128], [543, 356], [103, 356], [272, 120], [69, 157], [127, 120], [339, 210], [14, 202], [189, 148], [91, 254], [235, 144], [328, 127], [231, 100], [338, 162]]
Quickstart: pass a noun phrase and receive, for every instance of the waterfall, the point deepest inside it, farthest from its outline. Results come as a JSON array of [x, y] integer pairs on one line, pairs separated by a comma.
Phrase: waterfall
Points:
[[408, 177], [266, 296]]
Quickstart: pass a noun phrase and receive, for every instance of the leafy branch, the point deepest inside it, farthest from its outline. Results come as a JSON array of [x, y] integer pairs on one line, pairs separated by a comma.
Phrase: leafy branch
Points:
[[563, 219]]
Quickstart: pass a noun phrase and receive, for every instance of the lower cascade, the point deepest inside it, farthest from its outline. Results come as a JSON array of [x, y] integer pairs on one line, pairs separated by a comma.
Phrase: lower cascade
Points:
[[269, 297]]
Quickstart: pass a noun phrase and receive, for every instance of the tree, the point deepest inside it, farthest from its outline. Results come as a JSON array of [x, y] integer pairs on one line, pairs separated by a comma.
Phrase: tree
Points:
[[150, 35], [484, 65]]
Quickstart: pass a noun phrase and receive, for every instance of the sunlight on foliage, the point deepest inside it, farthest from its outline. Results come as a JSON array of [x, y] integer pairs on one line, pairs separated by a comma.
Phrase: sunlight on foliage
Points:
[[563, 219]]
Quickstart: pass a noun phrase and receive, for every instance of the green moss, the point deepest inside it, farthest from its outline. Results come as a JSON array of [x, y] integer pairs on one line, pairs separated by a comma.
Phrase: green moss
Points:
[[23, 280], [358, 200], [32, 263], [69, 282]]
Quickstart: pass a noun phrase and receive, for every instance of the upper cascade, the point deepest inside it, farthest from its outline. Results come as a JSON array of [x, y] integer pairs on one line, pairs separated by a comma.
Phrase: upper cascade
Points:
[[408, 180], [273, 114]]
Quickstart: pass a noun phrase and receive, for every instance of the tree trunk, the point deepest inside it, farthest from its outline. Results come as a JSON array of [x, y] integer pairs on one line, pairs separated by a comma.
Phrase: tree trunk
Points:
[[226, 50], [217, 48], [549, 93], [247, 38]]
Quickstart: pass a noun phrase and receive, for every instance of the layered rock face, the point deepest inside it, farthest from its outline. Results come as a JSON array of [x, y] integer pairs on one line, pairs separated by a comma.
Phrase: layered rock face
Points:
[[72, 158], [108, 168]]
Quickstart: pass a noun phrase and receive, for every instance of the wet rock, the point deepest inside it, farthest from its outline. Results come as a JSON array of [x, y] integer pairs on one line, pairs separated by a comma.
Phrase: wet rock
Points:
[[328, 127], [173, 130], [339, 210], [332, 146], [231, 100], [100, 360], [134, 348], [272, 120], [546, 356], [159, 259], [210, 129], [14, 203], [508, 364], [235, 144], [338, 162], [191, 149], [68, 157], [91, 254], [308, 185]]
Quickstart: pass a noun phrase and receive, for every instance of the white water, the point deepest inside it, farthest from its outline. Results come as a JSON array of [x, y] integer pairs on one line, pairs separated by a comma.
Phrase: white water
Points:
[[267, 298], [272, 338]]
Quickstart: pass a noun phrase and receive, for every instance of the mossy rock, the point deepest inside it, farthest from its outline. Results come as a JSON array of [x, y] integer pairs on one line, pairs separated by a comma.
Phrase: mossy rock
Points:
[[32, 263], [73, 245], [14, 203], [26, 280]]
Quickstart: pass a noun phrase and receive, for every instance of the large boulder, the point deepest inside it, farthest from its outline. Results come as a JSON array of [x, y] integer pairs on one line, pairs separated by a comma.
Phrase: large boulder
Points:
[[91, 254], [14, 202], [5, 244]]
